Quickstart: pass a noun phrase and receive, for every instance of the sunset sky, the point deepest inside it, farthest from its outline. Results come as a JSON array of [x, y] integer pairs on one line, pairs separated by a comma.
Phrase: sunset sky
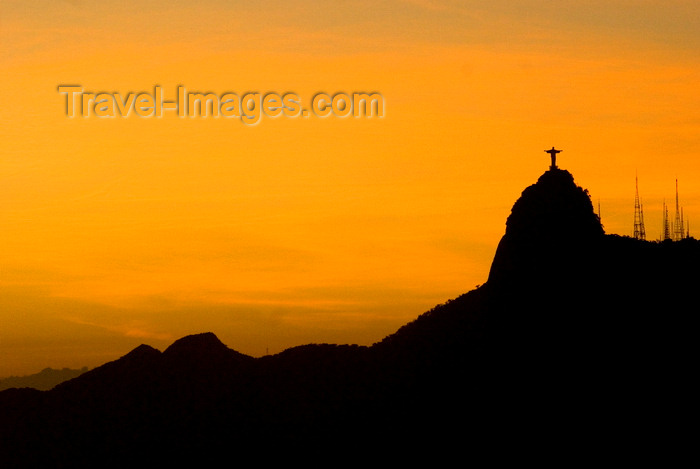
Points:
[[117, 232]]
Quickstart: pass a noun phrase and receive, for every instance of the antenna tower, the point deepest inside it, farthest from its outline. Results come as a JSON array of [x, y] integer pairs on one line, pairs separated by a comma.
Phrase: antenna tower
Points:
[[678, 220], [639, 232], [665, 230]]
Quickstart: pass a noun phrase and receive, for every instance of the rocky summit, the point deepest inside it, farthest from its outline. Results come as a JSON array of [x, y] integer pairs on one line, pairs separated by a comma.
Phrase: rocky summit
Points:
[[577, 340]]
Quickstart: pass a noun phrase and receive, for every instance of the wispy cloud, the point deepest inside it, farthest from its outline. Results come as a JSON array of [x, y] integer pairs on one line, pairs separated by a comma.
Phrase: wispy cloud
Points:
[[134, 328]]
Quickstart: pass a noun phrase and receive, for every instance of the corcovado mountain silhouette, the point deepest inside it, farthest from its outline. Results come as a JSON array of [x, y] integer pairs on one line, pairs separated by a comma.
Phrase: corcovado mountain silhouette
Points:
[[578, 342]]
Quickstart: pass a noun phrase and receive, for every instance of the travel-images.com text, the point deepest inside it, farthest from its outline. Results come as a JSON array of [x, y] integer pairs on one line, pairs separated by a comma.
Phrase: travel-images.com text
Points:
[[249, 107]]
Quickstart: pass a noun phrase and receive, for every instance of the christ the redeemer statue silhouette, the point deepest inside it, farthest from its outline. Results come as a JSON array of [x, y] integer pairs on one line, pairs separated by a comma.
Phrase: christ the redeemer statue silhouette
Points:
[[553, 154]]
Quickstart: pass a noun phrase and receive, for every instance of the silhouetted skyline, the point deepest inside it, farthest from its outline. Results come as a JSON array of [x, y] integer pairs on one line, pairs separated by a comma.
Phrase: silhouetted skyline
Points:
[[563, 309]]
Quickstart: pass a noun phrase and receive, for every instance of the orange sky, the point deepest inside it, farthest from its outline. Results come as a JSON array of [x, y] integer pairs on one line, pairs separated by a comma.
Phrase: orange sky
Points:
[[116, 232]]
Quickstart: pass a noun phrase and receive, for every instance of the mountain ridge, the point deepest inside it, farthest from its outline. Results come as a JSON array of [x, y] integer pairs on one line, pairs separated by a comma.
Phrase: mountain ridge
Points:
[[565, 331], [43, 380]]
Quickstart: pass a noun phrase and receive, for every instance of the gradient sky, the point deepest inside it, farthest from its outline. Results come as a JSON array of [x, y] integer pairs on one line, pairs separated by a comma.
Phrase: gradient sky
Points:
[[117, 232]]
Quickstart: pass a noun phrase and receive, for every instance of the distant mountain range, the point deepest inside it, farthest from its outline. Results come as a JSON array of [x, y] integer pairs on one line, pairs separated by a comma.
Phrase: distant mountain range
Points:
[[43, 381], [579, 342]]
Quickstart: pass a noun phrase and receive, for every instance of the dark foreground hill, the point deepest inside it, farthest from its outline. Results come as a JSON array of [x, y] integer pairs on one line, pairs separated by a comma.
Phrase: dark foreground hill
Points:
[[578, 342]]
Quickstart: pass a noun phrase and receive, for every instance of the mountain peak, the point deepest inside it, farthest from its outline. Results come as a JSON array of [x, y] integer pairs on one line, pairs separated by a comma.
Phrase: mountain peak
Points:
[[201, 348], [554, 208], [196, 342], [552, 223], [141, 352]]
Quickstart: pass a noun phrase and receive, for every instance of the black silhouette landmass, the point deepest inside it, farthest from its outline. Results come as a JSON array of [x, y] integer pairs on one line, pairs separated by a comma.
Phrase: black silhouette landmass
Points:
[[578, 342], [43, 381]]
